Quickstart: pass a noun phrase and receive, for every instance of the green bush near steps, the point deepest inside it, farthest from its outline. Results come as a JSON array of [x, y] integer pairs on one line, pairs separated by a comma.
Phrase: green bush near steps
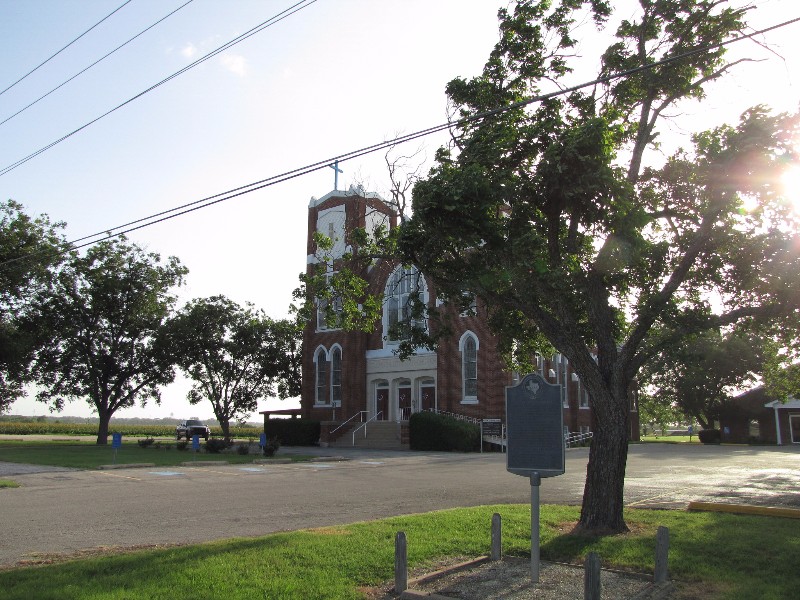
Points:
[[293, 432], [429, 431]]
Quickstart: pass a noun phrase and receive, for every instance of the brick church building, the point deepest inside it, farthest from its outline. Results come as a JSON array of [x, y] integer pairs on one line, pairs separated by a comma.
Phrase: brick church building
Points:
[[350, 376]]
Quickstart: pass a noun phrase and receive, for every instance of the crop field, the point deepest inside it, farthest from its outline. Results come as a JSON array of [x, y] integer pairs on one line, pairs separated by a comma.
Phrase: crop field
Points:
[[90, 429]]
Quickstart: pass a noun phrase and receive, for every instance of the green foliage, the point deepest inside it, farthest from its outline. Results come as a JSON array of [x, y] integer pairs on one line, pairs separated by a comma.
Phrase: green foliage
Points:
[[145, 442], [272, 446], [243, 449], [293, 432], [216, 445], [102, 322], [235, 355], [431, 431], [30, 251], [699, 374], [710, 436]]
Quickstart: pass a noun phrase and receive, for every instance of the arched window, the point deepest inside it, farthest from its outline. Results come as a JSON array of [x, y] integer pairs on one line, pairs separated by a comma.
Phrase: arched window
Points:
[[336, 376], [405, 287], [321, 364], [469, 367]]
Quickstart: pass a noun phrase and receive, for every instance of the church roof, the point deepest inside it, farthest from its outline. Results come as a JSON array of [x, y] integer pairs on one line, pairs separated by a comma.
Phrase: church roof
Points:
[[353, 191]]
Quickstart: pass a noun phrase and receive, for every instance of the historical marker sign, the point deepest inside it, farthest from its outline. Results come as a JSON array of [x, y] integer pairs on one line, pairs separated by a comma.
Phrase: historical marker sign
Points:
[[535, 442], [493, 427], [535, 428]]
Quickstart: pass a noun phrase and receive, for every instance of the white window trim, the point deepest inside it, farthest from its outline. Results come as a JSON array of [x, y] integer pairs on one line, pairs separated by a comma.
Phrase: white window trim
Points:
[[461, 343], [333, 349], [320, 351]]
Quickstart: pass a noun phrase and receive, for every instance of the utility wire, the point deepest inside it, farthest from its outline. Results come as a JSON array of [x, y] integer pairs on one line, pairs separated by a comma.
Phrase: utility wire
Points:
[[65, 47], [275, 179], [95, 62], [322, 164], [257, 29]]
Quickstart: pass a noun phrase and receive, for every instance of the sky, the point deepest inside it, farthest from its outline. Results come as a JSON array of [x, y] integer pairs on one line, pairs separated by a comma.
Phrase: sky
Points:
[[336, 76]]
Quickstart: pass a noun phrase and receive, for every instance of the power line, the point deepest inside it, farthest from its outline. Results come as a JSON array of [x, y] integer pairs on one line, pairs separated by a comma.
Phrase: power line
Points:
[[65, 47], [257, 29], [323, 164], [95, 62], [257, 185]]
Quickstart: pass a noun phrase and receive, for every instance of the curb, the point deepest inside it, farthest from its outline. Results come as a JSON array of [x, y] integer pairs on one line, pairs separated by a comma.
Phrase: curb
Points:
[[412, 594], [272, 461], [204, 463], [745, 509], [127, 466]]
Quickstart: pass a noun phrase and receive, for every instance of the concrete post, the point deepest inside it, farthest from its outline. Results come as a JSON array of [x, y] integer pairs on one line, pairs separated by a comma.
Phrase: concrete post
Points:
[[591, 577], [400, 563], [662, 555], [497, 537]]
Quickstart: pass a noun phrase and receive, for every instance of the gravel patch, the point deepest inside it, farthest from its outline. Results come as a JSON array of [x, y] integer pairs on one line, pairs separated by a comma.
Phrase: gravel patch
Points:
[[510, 579]]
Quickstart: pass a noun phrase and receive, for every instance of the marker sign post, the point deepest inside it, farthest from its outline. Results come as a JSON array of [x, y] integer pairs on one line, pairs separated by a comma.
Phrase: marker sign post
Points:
[[262, 441], [535, 442], [195, 446], [116, 444]]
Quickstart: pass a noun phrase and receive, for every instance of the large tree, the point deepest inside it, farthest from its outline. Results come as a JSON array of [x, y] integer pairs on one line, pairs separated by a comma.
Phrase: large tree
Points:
[[701, 373], [235, 355], [548, 213], [551, 213], [30, 250], [104, 321]]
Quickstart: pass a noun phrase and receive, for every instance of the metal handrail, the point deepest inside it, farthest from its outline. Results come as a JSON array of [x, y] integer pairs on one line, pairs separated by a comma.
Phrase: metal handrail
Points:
[[358, 414], [575, 438], [472, 420], [364, 426]]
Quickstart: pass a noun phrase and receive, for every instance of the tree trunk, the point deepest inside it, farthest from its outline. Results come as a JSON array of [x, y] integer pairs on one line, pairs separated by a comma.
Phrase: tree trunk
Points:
[[102, 429], [601, 512], [225, 425]]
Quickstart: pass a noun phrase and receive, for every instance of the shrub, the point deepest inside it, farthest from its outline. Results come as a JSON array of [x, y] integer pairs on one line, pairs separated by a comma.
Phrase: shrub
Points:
[[429, 431], [243, 449], [217, 445], [710, 436], [272, 446], [182, 445], [293, 432], [145, 442]]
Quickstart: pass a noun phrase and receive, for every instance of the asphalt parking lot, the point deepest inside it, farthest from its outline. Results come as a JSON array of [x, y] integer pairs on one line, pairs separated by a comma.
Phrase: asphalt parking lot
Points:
[[67, 511]]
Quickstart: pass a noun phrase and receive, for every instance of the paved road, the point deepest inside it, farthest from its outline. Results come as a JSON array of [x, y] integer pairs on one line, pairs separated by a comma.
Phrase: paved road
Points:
[[68, 511]]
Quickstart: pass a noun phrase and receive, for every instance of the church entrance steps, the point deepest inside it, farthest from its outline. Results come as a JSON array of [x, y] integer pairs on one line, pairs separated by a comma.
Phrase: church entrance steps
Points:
[[382, 435]]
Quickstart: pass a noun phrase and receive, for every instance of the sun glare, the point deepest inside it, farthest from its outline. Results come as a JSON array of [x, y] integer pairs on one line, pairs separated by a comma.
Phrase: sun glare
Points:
[[791, 187]]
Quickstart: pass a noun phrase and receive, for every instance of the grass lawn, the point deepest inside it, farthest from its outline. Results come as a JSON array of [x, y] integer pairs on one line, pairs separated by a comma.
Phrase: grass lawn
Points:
[[671, 439], [720, 555], [7, 483], [87, 455]]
